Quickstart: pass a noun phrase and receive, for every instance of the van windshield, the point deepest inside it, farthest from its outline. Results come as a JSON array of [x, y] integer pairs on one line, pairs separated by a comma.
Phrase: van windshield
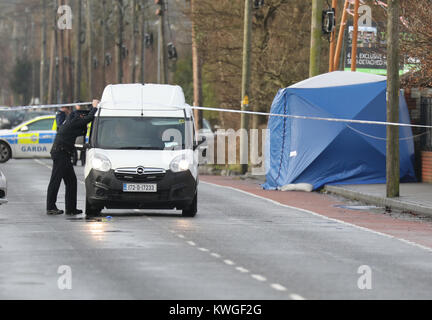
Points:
[[143, 133]]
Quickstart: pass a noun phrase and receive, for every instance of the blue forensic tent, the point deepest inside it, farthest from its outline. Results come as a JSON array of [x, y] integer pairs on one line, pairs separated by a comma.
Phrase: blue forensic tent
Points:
[[322, 152]]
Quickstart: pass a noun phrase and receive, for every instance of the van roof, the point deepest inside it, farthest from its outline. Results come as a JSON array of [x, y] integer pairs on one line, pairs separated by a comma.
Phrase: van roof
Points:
[[151, 98]]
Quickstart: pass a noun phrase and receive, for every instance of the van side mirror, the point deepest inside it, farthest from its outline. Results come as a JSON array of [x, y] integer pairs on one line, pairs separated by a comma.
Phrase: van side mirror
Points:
[[196, 145], [80, 144], [24, 129]]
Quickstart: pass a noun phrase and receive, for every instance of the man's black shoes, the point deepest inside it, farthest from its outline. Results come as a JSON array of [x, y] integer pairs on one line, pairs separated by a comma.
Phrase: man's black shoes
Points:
[[54, 212], [74, 213]]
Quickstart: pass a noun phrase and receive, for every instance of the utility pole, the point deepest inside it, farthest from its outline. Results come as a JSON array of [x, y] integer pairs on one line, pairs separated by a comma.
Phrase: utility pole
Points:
[[246, 75], [60, 50], [315, 46], [332, 67], [143, 49], [43, 54], [355, 37], [90, 49], [393, 85], [104, 26], [77, 76], [135, 32], [341, 35], [162, 55], [68, 66], [196, 64], [119, 42], [52, 66]]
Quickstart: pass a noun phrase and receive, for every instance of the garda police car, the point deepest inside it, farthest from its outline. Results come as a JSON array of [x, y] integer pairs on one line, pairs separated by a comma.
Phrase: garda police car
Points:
[[31, 139]]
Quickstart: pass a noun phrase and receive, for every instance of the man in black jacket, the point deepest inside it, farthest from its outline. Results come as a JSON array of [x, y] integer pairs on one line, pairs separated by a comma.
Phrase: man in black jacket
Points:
[[64, 143]]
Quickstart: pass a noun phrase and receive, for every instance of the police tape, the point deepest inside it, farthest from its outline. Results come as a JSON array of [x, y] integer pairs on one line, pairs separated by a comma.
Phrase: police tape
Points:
[[45, 106], [383, 123], [315, 118]]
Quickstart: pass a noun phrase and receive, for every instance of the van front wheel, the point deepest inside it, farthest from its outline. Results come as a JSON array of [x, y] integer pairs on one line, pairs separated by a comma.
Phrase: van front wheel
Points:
[[191, 211]]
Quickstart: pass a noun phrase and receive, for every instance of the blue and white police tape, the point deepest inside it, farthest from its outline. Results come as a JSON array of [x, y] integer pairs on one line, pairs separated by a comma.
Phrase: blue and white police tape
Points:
[[384, 123]]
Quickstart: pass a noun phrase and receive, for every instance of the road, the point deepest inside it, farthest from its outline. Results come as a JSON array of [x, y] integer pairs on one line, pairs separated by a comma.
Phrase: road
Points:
[[238, 247]]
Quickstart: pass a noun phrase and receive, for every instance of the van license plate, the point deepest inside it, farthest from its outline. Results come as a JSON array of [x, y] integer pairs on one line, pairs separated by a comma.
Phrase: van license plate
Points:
[[132, 187]]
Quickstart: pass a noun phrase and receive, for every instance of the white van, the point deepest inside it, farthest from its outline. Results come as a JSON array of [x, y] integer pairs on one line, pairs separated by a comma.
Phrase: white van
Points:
[[142, 151]]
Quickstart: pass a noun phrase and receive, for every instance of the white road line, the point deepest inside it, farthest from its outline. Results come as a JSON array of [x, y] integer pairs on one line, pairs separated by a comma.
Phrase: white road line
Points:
[[42, 163], [278, 287], [259, 277], [242, 270], [216, 255], [295, 296], [323, 217], [229, 262]]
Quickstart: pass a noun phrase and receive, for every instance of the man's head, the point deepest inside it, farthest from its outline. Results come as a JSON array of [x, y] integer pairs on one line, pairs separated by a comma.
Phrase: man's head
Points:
[[66, 110]]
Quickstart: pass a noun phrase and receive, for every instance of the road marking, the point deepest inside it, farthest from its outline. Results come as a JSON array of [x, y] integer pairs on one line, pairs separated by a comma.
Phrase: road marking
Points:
[[278, 287], [242, 270], [295, 296], [259, 277], [50, 167], [42, 163], [322, 216], [229, 262]]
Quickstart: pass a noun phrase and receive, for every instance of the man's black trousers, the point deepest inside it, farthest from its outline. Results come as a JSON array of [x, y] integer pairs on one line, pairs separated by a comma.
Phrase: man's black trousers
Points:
[[62, 170]]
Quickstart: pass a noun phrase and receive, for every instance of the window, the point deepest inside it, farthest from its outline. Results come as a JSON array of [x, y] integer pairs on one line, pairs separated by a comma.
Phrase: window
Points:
[[44, 124], [141, 133]]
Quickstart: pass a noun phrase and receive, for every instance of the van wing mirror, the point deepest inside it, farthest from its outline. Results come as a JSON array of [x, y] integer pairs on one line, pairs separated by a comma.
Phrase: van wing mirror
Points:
[[80, 143], [196, 145], [24, 129]]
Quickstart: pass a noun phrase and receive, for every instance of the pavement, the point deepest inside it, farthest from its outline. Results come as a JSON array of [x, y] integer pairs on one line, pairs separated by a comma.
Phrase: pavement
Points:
[[245, 243], [414, 197]]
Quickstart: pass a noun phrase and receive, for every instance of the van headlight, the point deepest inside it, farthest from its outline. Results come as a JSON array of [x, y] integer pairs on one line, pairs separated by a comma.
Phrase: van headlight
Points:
[[101, 163], [180, 163]]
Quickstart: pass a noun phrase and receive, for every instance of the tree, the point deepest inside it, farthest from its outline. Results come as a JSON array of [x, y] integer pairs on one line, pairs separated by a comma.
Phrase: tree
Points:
[[20, 82], [416, 41]]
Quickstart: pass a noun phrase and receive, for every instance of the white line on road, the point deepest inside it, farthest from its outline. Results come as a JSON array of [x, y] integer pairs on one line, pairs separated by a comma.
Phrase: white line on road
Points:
[[203, 249], [193, 244], [259, 277], [229, 262], [296, 297], [181, 236], [216, 255], [322, 216], [242, 270], [278, 287]]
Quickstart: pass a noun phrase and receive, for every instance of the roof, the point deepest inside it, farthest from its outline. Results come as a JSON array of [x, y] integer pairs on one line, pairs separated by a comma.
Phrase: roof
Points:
[[134, 100], [138, 96], [337, 79]]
